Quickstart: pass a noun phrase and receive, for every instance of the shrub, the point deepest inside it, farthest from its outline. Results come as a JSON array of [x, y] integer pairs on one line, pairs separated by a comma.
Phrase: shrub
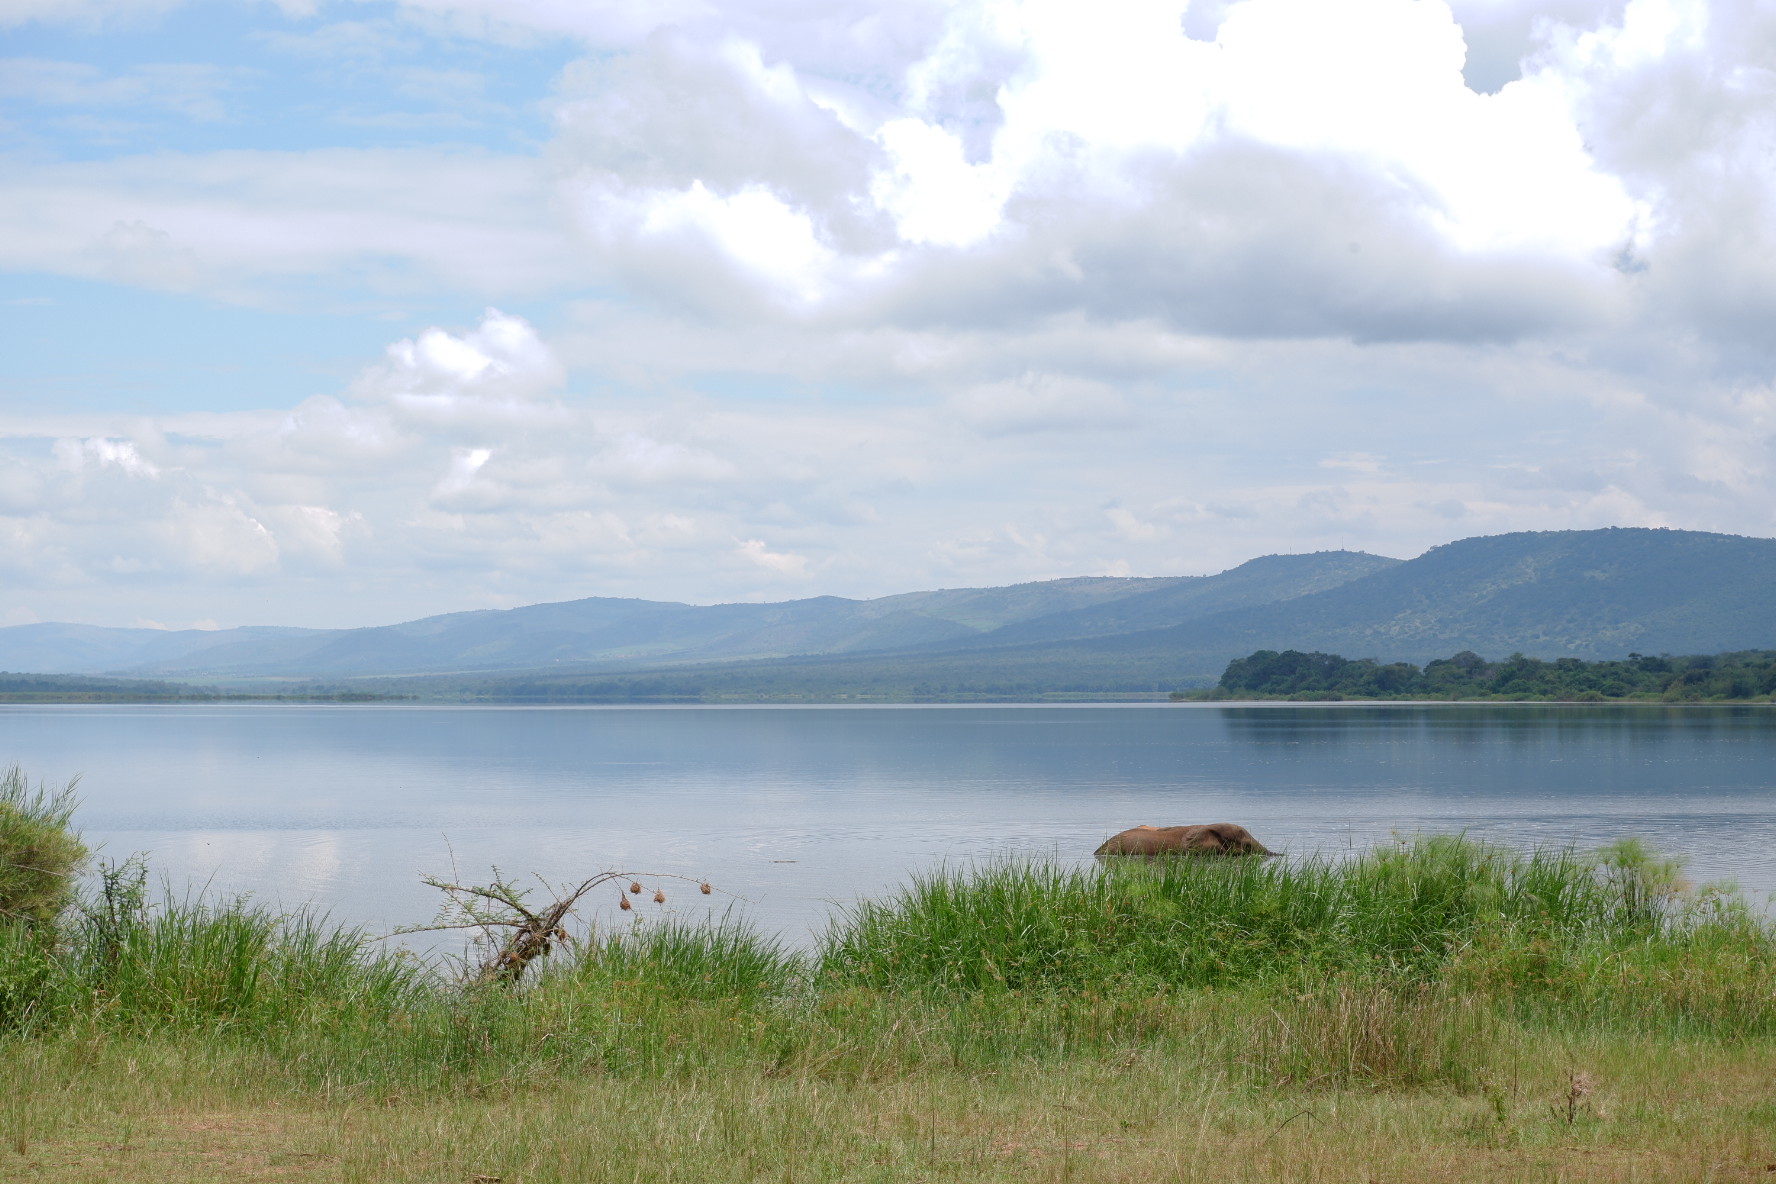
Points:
[[28, 975], [39, 849]]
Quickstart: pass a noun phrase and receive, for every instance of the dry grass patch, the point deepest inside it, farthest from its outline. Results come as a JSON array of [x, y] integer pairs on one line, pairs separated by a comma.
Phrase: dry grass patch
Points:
[[1653, 1112]]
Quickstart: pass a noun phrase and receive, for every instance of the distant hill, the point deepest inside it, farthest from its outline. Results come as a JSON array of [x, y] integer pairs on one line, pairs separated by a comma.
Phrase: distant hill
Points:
[[613, 634], [1581, 594], [1585, 594], [1588, 594], [1267, 580], [95, 649]]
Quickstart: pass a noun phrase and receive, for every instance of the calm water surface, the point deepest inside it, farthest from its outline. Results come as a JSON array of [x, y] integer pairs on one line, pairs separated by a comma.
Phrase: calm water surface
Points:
[[792, 810]]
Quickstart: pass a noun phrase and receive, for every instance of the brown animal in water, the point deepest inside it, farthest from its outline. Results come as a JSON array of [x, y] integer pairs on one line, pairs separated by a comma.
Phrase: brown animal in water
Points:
[[1215, 838]]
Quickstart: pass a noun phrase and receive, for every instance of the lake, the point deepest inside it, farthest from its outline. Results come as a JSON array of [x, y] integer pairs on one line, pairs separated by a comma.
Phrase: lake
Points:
[[789, 810]]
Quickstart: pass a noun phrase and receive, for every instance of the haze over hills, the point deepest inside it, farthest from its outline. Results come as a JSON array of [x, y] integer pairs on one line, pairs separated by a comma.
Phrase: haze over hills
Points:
[[1589, 594], [609, 633]]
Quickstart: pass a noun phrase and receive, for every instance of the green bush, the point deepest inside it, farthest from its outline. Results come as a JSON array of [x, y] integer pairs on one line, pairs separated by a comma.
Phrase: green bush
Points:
[[29, 975], [39, 850]]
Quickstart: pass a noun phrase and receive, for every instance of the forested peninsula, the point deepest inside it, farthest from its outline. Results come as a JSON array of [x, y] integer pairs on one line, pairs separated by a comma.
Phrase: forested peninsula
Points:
[[1745, 676]]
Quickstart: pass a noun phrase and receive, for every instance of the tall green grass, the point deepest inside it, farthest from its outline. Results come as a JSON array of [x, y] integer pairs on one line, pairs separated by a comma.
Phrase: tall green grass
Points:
[[1403, 911], [1402, 966], [40, 851], [192, 965]]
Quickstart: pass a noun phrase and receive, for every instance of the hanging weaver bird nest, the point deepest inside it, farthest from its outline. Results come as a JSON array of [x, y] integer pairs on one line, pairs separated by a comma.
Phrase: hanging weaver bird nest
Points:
[[514, 933]]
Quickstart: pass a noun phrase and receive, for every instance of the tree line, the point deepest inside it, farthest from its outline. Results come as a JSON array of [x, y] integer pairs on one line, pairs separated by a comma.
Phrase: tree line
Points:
[[1292, 674]]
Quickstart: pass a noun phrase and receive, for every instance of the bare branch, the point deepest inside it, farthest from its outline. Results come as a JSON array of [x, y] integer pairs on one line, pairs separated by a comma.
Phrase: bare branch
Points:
[[499, 906]]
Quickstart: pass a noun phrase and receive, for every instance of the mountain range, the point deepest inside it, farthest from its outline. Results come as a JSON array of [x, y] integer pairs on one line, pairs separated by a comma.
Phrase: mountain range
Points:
[[1587, 594]]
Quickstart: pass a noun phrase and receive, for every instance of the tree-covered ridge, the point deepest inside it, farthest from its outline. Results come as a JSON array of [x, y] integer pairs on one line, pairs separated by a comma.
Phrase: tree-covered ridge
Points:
[[1292, 674]]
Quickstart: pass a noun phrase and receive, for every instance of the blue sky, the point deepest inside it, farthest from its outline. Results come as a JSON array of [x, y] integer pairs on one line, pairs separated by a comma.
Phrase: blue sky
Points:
[[334, 313]]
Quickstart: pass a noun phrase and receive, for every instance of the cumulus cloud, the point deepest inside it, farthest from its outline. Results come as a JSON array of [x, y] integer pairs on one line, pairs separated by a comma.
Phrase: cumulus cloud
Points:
[[1679, 100], [1317, 169], [498, 371], [628, 495], [78, 455], [781, 563], [675, 112], [937, 293]]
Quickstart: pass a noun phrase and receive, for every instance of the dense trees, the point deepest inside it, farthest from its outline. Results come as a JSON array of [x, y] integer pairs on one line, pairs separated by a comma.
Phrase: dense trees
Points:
[[1748, 674]]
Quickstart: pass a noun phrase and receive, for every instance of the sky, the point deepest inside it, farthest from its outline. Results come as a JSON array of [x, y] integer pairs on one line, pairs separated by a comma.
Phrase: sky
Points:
[[345, 312]]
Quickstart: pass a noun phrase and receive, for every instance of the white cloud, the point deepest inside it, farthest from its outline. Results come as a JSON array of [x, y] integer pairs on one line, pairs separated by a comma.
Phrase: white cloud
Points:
[[1131, 527], [78, 455], [219, 538], [633, 457], [310, 532], [1328, 153], [1322, 169], [753, 228], [498, 373], [933, 193], [246, 225], [137, 253], [194, 89], [1331, 153], [1036, 402], [783, 563], [935, 293]]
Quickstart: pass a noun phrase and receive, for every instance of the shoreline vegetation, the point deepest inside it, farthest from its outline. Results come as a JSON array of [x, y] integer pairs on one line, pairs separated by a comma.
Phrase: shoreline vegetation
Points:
[[74, 688], [1434, 1008], [1738, 677], [1746, 676]]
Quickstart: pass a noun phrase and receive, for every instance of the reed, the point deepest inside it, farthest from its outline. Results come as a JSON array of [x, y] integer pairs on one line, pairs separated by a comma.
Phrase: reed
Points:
[[724, 960], [1431, 910], [1413, 965], [188, 964]]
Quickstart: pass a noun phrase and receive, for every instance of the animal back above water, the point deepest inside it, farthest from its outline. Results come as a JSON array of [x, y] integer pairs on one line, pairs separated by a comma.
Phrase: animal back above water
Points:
[[1154, 842]]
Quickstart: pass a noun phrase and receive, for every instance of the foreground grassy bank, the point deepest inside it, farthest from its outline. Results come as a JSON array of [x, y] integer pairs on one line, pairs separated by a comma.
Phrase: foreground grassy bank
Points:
[[1440, 1010]]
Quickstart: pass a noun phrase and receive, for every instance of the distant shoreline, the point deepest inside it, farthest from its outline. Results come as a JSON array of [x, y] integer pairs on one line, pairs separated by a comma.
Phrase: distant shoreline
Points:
[[1148, 699], [1194, 698]]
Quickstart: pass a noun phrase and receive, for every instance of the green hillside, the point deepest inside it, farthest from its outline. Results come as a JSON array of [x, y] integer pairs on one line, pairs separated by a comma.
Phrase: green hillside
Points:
[[1568, 594], [610, 634], [1593, 595], [1584, 594], [1266, 580]]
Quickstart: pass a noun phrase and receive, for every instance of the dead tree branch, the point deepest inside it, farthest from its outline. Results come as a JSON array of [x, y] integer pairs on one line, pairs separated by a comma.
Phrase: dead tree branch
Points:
[[514, 934]]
